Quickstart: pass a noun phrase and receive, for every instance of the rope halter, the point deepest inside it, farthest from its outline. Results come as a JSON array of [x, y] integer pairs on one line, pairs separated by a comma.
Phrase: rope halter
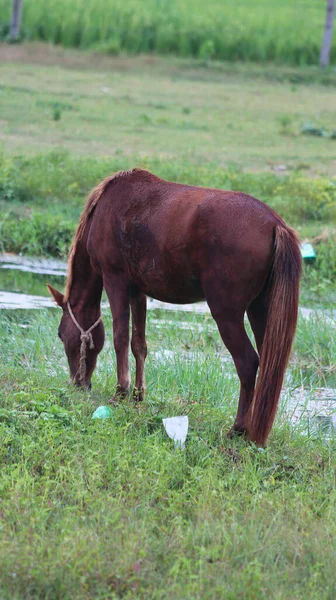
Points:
[[86, 338]]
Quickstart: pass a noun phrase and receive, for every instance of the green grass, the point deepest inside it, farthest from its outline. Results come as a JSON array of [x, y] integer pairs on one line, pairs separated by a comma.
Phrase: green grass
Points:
[[57, 183], [137, 108], [28, 283], [284, 32], [110, 510]]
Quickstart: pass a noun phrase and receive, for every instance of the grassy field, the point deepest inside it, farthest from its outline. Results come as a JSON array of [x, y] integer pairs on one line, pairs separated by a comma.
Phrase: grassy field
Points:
[[110, 510], [87, 117], [237, 117], [281, 31]]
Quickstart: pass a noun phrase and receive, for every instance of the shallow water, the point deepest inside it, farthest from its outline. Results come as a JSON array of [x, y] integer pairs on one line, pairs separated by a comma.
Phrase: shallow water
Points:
[[17, 300], [19, 275], [28, 264], [29, 276], [313, 409], [22, 274], [14, 301], [165, 355]]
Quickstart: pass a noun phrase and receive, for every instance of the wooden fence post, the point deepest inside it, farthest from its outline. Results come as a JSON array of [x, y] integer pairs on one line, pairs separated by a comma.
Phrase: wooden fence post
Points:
[[15, 26], [327, 37]]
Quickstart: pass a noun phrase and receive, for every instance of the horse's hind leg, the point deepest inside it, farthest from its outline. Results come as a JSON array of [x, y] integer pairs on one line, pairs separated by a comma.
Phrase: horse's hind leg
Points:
[[138, 343], [257, 315], [230, 323]]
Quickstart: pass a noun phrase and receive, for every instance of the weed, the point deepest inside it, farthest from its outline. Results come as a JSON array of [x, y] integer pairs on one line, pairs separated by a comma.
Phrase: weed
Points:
[[57, 113], [286, 124]]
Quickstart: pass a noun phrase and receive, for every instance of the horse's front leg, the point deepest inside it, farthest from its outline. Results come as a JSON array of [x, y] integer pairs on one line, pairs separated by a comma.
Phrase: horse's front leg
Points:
[[138, 343], [119, 302]]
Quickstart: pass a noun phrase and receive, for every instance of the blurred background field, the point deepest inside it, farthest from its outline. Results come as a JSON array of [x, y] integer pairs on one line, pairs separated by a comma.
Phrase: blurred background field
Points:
[[247, 116], [282, 31]]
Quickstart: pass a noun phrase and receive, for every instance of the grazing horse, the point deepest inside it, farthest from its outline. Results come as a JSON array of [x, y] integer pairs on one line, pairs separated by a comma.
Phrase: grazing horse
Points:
[[140, 236]]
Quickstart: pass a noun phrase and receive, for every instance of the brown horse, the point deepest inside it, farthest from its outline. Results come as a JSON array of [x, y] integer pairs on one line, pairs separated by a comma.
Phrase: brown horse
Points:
[[142, 236]]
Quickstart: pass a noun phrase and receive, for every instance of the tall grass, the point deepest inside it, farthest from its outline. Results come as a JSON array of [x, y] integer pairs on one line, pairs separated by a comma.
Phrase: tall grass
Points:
[[287, 32]]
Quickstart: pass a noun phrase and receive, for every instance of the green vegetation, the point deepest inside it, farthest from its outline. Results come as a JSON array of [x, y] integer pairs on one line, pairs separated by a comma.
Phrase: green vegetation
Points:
[[110, 510], [285, 32], [232, 128], [13, 280], [41, 198], [243, 117]]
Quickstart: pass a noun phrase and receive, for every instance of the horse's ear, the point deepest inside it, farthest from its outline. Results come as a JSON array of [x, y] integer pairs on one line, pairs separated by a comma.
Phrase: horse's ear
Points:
[[58, 297]]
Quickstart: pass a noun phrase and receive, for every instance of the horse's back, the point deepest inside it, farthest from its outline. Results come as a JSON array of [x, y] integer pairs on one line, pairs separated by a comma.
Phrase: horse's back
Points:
[[171, 238]]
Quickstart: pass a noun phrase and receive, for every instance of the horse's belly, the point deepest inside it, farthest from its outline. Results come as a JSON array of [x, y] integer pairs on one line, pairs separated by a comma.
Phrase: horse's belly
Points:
[[175, 297], [171, 284]]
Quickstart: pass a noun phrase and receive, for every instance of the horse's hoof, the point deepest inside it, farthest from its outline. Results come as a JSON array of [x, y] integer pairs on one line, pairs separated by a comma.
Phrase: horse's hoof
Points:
[[237, 431], [113, 401], [119, 396], [138, 395]]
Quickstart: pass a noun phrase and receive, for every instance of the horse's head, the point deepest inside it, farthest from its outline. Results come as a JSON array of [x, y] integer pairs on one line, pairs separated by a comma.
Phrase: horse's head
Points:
[[82, 342]]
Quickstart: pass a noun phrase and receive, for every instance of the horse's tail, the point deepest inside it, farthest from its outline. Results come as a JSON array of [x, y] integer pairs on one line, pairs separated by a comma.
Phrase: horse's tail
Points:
[[282, 291]]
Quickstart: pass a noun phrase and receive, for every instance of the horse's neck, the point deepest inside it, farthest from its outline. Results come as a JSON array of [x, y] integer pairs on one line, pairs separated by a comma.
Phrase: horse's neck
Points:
[[87, 286]]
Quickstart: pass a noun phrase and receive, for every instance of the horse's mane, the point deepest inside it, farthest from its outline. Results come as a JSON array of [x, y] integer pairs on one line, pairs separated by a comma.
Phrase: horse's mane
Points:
[[90, 205]]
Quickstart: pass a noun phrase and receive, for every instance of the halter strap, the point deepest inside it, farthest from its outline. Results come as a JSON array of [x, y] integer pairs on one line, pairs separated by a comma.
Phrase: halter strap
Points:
[[86, 338]]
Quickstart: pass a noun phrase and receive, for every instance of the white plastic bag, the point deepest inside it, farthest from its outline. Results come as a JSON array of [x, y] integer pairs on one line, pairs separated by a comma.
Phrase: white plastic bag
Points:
[[177, 429]]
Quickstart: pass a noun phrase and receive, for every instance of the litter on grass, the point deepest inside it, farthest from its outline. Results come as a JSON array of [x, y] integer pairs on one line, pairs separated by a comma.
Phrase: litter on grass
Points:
[[102, 412], [177, 429], [307, 252], [310, 129]]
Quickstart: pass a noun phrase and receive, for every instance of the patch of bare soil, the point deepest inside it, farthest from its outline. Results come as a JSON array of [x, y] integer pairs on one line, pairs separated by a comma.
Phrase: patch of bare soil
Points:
[[47, 54]]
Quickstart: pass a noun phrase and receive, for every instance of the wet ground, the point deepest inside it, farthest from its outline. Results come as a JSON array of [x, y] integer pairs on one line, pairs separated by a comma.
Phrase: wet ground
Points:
[[315, 409], [27, 264], [23, 285]]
